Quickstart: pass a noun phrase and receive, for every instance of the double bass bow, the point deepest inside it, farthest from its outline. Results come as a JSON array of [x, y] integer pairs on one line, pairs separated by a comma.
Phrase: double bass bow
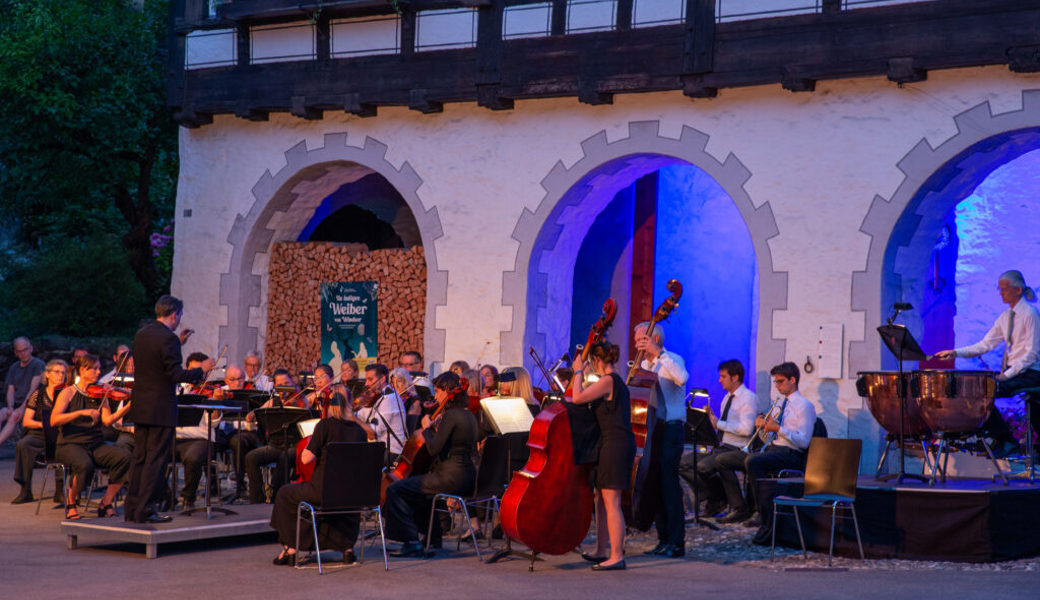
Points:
[[643, 500], [548, 504]]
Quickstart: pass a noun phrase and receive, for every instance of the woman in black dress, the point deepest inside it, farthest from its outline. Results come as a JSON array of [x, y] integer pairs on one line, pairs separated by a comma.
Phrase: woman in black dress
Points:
[[452, 441], [33, 444], [617, 451], [336, 532], [81, 443]]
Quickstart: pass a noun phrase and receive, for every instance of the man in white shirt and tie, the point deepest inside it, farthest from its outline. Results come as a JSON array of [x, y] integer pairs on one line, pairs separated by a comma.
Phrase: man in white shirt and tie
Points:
[[1018, 328], [718, 470], [789, 422]]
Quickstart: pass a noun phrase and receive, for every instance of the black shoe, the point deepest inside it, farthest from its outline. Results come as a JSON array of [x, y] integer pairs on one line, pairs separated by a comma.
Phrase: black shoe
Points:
[[673, 551], [408, 549], [23, 498], [592, 558], [659, 548], [618, 566], [714, 508], [157, 518], [737, 516], [284, 558], [349, 557]]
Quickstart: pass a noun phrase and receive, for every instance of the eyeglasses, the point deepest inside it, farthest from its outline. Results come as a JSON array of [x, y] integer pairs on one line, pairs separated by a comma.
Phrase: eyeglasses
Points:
[[235, 378]]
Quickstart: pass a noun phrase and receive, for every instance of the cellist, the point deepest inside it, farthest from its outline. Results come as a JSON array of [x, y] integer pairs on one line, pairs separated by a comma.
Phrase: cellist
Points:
[[617, 450], [452, 441]]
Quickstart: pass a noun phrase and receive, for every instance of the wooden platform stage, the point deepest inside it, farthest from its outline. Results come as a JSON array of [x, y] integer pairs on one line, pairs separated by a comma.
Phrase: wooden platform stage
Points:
[[250, 519], [963, 520]]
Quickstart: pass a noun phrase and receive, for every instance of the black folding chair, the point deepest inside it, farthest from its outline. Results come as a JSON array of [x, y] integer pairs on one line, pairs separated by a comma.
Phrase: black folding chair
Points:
[[350, 485], [830, 481], [492, 474], [50, 443]]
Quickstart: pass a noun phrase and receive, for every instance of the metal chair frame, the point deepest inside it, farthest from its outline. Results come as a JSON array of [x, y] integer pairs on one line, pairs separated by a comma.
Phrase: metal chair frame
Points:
[[830, 482]]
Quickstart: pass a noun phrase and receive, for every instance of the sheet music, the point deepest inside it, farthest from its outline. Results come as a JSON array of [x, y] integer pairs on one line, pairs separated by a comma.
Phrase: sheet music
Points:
[[306, 427], [508, 415]]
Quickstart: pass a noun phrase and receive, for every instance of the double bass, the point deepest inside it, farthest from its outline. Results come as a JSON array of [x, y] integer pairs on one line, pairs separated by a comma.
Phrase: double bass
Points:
[[642, 503], [548, 504]]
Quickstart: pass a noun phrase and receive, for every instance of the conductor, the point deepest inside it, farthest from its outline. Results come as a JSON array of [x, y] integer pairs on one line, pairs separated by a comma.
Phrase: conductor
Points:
[[157, 359]]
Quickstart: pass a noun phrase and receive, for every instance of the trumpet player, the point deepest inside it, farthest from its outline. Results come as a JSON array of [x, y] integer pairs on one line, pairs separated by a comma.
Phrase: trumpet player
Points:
[[787, 430], [718, 470]]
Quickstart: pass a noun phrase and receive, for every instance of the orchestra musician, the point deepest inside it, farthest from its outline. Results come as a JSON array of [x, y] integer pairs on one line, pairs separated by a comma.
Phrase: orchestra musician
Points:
[[336, 532], [489, 380], [452, 440], [254, 378], [80, 442], [459, 367], [1019, 329], [348, 371], [276, 450], [617, 451], [413, 362], [121, 361], [718, 469], [192, 443], [118, 433], [791, 419], [401, 381], [32, 444], [671, 414], [157, 370], [387, 415]]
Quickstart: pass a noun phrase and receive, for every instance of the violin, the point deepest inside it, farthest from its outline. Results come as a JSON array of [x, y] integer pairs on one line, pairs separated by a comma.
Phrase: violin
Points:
[[100, 392]]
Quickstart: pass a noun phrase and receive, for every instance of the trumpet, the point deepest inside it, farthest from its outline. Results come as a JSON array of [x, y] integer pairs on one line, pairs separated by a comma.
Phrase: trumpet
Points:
[[761, 436]]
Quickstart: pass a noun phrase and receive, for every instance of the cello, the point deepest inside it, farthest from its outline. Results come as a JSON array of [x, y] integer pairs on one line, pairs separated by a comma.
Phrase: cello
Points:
[[548, 504], [322, 400], [643, 500]]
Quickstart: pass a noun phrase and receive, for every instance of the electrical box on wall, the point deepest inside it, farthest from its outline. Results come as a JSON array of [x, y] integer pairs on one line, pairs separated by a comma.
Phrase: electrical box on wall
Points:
[[830, 351]]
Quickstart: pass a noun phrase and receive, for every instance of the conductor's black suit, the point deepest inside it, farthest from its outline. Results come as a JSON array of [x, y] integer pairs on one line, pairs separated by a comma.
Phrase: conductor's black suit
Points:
[[153, 411]]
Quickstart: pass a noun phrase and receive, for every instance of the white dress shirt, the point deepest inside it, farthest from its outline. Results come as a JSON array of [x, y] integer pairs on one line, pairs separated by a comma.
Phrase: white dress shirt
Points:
[[740, 420], [796, 422], [1025, 339], [392, 410], [671, 375]]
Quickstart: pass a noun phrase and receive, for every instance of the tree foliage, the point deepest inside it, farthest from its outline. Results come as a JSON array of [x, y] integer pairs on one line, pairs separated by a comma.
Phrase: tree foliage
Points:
[[87, 145]]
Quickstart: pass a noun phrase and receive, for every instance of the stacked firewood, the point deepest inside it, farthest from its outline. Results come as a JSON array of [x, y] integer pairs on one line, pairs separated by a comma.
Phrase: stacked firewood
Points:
[[297, 271]]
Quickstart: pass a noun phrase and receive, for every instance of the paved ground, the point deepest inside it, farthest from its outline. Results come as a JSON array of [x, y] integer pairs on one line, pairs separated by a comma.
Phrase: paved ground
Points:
[[720, 565]]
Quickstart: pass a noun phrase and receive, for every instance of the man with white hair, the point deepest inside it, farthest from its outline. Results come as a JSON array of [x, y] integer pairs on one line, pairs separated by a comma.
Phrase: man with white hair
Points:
[[1018, 328]]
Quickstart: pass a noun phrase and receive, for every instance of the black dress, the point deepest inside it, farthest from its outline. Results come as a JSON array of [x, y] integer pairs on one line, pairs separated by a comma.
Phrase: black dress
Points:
[[617, 443], [81, 447], [335, 532]]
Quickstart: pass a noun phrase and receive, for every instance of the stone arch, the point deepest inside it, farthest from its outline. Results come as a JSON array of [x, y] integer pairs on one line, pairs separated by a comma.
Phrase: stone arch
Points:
[[307, 174], [643, 151], [904, 228]]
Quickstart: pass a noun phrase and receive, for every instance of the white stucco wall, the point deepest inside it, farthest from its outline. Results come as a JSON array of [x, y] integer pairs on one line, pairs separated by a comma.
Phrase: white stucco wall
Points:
[[819, 159]]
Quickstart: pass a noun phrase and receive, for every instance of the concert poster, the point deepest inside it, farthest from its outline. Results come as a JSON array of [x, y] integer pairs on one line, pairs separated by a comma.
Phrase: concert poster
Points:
[[348, 323]]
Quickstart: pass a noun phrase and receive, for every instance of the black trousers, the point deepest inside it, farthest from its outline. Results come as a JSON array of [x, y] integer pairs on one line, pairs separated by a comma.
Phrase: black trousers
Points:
[[995, 425], [261, 456], [335, 532], [772, 460], [194, 454], [670, 518], [407, 511], [26, 451], [718, 471], [153, 447], [242, 443], [82, 460]]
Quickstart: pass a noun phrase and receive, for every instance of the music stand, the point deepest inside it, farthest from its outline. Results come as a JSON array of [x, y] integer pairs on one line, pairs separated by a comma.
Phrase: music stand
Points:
[[901, 343], [275, 420], [187, 416], [699, 431], [209, 409]]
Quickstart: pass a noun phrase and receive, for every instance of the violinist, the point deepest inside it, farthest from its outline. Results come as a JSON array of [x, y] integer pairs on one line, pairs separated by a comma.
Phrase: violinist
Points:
[[119, 434], [119, 358], [489, 380], [337, 532], [386, 414], [80, 447], [255, 379], [276, 450], [348, 371], [617, 450], [671, 413], [32, 444], [192, 445], [401, 381], [157, 369], [515, 382], [412, 361], [459, 367], [325, 391], [452, 441]]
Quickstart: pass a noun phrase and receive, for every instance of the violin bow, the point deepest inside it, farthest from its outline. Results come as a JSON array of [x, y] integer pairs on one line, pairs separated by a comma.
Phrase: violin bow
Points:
[[109, 386]]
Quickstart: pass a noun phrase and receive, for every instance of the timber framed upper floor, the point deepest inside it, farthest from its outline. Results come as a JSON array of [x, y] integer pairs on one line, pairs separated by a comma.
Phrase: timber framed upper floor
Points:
[[253, 57]]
